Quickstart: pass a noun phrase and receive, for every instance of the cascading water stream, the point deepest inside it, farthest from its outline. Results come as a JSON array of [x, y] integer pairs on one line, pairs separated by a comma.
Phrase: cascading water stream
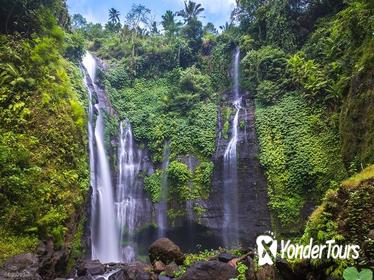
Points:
[[127, 198], [189, 203], [230, 176], [104, 233], [162, 221], [90, 65]]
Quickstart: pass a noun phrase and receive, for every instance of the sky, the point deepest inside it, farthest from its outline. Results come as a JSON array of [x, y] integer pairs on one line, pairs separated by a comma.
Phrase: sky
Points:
[[216, 11]]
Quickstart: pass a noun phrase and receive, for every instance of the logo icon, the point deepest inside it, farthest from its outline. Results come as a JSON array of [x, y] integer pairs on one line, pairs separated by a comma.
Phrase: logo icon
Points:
[[266, 248]]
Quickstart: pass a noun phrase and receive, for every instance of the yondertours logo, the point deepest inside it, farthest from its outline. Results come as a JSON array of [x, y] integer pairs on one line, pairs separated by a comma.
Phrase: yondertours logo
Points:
[[267, 248]]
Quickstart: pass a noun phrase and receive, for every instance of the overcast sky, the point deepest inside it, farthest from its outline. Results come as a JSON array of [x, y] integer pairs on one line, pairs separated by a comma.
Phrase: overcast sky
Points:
[[216, 11]]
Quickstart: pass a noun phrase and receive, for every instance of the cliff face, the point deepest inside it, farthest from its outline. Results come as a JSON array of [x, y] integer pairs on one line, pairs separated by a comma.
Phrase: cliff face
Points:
[[254, 217], [357, 121]]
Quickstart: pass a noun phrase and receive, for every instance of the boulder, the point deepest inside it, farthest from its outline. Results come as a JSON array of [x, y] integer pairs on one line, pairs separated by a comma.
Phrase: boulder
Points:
[[52, 261], [234, 262], [171, 269], [86, 277], [226, 257], [119, 275], [267, 272], [21, 267], [90, 267], [158, 266], [165, 250], [251, 272], [300, 271], [138, 271], [209, 270], [285, 270]]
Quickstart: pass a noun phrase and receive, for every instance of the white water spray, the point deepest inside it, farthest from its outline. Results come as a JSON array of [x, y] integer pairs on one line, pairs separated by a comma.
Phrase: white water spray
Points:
[[230, 173], [104, 233]]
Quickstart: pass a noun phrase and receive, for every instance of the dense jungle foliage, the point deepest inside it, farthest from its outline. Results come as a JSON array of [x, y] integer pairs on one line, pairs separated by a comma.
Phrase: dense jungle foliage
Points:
[[167, 84], [308, 64], [43, 159]]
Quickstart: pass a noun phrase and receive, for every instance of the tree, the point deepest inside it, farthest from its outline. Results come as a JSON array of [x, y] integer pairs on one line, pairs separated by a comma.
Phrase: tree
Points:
[[78, 21], [114, 16], [210, 28], [192, 32], [191, 11], [154, 29], [139, 17], [169, 24]]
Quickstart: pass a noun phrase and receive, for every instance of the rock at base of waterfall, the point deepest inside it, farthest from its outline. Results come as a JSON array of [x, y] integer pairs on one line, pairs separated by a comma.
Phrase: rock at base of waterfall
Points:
[[158, 266], [210, 270], [165, 250], [161, 277], [24, 266], [91, 267], [226, 257], [138, 271], [171, 269], [119, 275]]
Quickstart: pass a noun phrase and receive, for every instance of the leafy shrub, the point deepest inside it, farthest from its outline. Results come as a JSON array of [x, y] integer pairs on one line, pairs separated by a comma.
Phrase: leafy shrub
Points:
[[300, 156], [179, 175], [268, 92], [343, 216], [152, 184], [351, 273], [267, 63], [43, 159]]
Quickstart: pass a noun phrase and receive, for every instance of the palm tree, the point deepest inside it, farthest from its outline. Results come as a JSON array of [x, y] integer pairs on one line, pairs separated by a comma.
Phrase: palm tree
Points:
[[191, 10], [169, 24], [114, 15]]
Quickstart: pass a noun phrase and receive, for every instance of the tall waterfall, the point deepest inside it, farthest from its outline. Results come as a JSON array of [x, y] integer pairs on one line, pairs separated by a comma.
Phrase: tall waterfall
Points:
[[189, 203], [230, 176], [128, 198], [104, 231], [162, 221]]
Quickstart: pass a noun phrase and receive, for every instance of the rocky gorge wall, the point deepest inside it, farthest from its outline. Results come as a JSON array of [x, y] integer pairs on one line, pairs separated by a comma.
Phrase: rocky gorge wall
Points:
[[254, 216]]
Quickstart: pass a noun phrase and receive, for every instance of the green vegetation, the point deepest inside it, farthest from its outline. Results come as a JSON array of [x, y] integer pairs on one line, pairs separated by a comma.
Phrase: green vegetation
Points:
[[43, 161], [346, 215], [300, 155], [307, 64], [352, 273], [152, 185], [190, 259], [242, 269], [167, 86]]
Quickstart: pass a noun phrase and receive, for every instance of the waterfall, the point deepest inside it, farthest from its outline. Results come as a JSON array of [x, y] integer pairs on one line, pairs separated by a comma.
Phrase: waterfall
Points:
[[104, 233], [162, 221], [189, 203], [90, 65], [128, 199], [230, 168]]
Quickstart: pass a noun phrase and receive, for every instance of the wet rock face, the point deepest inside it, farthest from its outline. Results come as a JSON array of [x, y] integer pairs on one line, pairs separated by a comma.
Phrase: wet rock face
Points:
[[166, 251], [89, 270], [209, 270], [21, 267], [52, 263], [226, 257], [136, 271], [253, 216], [90, 267]]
